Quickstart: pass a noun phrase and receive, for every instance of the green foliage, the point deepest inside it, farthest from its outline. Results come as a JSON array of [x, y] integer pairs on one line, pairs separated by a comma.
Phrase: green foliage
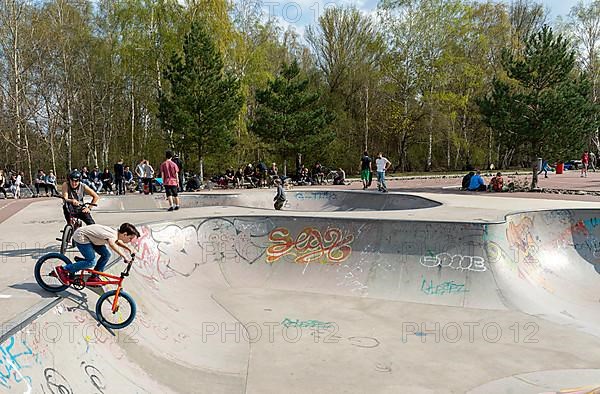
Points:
[[542, 105], [289, 115], [202, 102]]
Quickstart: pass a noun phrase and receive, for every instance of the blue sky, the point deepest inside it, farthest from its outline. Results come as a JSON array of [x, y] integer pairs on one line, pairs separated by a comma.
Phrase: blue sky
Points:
[[301, 13]]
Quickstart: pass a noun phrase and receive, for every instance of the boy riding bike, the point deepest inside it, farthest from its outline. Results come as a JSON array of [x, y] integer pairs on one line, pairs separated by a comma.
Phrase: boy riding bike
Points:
[[93, 239], [73, 192]]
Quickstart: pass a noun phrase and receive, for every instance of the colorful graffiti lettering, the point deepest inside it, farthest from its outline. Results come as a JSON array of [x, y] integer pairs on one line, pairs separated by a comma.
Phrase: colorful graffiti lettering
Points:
[[319, 325], [12, 365], [310, 245], [448, 287], [457, 262]]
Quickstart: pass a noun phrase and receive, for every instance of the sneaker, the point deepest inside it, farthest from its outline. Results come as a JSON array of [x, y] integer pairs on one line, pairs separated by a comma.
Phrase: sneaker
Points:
[[170, 209], [176, 207], [63, 275]]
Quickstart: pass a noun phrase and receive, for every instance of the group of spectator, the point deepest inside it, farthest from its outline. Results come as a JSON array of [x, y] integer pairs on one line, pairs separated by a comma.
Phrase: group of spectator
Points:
[[259, 175], [122, 179], [13, 182], [474, 182], [107, 181]]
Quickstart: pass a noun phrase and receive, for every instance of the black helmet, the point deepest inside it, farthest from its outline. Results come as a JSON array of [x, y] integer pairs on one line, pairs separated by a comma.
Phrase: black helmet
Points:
[[74, 175]]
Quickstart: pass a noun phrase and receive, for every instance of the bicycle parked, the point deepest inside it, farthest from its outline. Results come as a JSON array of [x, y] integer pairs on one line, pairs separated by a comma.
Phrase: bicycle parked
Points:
[[115, 309]]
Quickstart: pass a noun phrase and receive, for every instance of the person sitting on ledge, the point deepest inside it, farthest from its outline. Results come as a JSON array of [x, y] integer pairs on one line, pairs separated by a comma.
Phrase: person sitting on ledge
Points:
[[477, 184], [497, 184]]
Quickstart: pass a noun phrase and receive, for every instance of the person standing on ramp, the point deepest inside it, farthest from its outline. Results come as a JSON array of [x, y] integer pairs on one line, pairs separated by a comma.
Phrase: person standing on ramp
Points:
[[365, 170], [383, 164], [170, 172], [280, 196]]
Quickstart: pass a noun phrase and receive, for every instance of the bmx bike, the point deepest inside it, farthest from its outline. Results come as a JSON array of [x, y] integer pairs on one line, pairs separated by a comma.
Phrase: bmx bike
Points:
[[114, 309], [73, 224]]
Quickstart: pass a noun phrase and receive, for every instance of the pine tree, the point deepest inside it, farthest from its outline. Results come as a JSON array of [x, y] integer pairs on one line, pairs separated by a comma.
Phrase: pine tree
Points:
[[290, 116], [201, 105], [542, 104]]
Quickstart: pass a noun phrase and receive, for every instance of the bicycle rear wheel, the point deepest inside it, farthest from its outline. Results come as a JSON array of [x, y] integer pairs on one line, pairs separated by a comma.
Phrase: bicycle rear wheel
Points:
[[67, 233], [122, 317], [45, 267]]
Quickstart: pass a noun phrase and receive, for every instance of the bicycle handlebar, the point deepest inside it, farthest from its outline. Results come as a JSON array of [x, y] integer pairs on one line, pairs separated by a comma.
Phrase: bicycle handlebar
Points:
[[129, 265]]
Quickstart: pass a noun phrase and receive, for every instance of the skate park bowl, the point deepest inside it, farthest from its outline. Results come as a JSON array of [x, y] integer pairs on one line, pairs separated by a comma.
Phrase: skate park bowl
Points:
[[270, 304], [297, 200]]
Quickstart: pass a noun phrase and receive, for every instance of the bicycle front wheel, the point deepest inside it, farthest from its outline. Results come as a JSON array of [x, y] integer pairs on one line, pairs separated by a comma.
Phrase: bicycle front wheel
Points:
[[45, 275], [122, 316]]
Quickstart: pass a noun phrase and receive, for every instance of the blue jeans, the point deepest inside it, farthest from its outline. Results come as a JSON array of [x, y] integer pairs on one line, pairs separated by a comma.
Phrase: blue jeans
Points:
[[88, 252], [381, 179]]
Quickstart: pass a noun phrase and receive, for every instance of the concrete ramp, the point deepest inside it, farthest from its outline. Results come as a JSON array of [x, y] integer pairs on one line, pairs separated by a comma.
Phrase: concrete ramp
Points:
[[297, 304], [297, 200]]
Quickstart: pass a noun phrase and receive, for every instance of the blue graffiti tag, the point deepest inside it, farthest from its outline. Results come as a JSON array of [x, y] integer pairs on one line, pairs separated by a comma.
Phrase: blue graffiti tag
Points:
[[10, 366], [448, 287]]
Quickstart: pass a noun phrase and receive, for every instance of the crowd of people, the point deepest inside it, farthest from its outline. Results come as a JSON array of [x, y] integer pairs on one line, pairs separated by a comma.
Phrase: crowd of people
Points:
[[144, 178], [259, 175], [13, 183]]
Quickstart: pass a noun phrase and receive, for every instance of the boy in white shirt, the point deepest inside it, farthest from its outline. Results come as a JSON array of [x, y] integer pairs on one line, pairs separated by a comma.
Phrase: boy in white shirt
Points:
[[93, 239]]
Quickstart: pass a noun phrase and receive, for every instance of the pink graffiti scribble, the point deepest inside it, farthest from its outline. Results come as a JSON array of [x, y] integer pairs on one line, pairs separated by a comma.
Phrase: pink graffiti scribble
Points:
[[310, 245], [149, 262]]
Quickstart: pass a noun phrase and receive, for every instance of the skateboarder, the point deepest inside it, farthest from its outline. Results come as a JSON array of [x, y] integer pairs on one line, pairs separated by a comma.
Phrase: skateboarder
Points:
[[280, 196]]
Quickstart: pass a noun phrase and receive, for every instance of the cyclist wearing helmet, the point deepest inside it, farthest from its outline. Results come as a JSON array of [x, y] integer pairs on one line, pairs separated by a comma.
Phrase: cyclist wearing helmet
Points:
[[73, 191]]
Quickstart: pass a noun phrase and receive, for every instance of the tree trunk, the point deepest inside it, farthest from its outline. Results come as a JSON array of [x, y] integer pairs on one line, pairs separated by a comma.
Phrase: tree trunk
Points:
[[53, 151], [28, 152], [200, 162], [489, 163], [367, 120], [16, 85], [430, 146], [69, 135], [534, 178], [132, 121], [430, 129]]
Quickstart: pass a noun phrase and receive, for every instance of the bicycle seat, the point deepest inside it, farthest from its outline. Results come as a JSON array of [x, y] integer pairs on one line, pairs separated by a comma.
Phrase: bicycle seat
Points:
[[79, 258]]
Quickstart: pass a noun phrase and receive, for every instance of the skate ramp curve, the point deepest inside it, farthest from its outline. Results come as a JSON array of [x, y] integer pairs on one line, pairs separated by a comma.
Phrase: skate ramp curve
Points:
[[297, 200], [264, 304]]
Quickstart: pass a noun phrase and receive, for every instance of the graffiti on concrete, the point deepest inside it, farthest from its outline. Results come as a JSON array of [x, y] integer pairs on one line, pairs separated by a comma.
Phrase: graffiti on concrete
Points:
[[310, 245], [454, 261], [13, 364], [56, 382], [353, 279], [150, 263], [315, 196], [520, 237], [316, 324], [447, 287], [95, 376]]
